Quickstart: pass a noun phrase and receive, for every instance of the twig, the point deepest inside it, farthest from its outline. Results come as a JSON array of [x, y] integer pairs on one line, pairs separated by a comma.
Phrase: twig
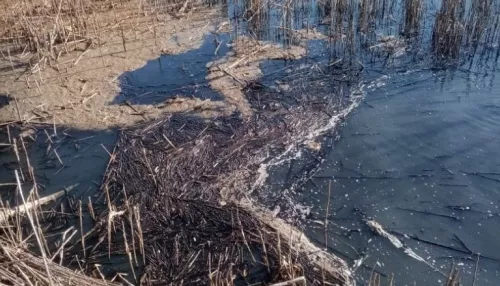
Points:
[[127, 103], [54, 125], [127, 250], [243, 235], [38, 239], [475, 271], [58, 158], [91, 209], [8, 212], [65, 241], [81, 227], [8, 134], [111, 215], [16, 152], [429, 213], [294, 281], [169, 142], [103, 147], [81, 56], [326, 213], [17, 109]]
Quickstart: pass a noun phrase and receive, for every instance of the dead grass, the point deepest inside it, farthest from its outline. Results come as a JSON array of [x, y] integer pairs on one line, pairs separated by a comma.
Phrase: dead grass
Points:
[[26, 256], [477, 21]]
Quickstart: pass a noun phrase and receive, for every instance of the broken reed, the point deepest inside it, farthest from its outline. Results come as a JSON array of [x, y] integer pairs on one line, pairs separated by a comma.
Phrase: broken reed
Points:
[[46, 28], [24, 227], [50, 28]]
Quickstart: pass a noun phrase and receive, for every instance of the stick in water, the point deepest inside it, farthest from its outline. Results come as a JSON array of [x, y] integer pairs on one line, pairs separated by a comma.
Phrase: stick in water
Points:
[[42, 249]]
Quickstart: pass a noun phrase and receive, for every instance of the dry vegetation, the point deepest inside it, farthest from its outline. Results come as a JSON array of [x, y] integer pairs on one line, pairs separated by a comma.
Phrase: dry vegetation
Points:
[[27, 255], [62, 59], [413, 16], [458, 27], [69, 54], [198, 224]]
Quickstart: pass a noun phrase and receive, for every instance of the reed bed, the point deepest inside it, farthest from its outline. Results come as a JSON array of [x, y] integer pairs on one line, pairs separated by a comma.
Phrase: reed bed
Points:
[[478, 22], [45, 30], [413, 13], [448, 30], [465, 28], [367, 14]]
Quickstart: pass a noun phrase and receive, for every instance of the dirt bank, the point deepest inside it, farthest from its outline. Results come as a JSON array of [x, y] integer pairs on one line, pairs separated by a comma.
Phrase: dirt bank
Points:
[[76, 89]]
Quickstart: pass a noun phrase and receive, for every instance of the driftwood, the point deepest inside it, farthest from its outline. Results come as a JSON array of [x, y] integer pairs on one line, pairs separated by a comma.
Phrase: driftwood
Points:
[[6, 213]]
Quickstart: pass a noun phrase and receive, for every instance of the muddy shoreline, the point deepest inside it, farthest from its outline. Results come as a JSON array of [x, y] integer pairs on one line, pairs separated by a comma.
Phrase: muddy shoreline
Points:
[[102, 211]]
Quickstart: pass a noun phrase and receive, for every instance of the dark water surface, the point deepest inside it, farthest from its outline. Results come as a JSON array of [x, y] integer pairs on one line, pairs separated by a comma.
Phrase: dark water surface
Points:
[[83, 156], [424, 142]]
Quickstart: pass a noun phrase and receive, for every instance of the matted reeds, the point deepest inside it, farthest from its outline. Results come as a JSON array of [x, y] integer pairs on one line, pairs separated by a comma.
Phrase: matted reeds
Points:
[[177, 199]]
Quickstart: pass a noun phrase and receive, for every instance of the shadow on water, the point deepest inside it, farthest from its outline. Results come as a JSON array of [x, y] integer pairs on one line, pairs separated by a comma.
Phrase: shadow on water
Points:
[[173, 75], [70, 159]]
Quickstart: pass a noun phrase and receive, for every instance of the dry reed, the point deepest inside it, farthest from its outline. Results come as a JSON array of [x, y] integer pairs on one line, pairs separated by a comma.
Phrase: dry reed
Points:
[[25, 254], [45, 30], [175, 195], [413, 16], [448, 29], [477, 22]]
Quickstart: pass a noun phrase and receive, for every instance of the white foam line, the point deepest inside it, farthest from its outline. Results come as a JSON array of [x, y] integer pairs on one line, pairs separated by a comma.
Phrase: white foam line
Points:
[[377, 228], [356, 97], [282, 158]]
